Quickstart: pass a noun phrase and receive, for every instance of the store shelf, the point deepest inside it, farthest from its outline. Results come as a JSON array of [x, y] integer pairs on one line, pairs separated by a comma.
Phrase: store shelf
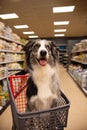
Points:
[[3, 78], [84, 89], [9, 51], [78, 65], [9, 40], [79, 51], [7, 62], [79, 62]]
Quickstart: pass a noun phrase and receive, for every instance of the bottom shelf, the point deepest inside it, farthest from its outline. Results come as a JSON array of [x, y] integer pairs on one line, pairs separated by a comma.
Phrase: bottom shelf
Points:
[[2, 109], [84, 89]]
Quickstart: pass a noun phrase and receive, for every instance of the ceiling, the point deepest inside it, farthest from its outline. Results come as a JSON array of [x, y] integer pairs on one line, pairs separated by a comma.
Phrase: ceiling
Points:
[[39, 16]]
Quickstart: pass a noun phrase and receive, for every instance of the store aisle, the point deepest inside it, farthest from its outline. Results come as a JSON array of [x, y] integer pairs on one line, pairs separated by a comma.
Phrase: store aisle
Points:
[[77, 119]]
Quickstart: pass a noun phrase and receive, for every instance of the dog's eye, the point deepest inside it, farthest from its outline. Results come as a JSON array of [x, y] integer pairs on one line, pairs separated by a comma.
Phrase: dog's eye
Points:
[[36, 46], [47, 46]]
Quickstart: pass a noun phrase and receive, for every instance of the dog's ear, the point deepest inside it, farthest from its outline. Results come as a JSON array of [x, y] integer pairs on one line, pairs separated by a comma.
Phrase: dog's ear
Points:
[[54, 50], [28, 47]]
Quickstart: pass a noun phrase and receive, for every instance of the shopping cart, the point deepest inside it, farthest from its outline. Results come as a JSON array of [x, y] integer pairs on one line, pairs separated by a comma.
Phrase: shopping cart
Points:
[[53, 119]]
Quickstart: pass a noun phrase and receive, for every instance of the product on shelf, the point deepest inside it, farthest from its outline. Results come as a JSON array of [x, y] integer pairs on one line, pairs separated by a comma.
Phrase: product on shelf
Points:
[[15, 47], [8, 57], [80, 46], [80, 57], [15, 37], [2, 28], [4, 96], [2, 72], [6, 31], [2, 57], [18, 48], [84, 44], [14, 66], [85, 58], [1, 44], [24, 41], [4, 45]]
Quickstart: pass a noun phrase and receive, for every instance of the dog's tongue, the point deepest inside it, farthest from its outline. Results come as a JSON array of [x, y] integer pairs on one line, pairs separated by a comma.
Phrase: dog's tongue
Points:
[[43, 62]]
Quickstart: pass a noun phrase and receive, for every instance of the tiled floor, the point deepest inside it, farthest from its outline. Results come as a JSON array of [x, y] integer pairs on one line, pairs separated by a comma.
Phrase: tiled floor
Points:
[[77, 119]]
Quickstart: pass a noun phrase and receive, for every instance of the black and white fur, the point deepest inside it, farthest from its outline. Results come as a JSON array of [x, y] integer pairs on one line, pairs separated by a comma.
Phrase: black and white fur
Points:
[[43, 85]]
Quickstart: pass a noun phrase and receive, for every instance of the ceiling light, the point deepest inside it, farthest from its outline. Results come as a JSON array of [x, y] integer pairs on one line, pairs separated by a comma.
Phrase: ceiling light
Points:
[[35, 36], [9, 16], [58, 35], [30, 32], [60, 30], [21, 26], [63, 9], [61, 23]]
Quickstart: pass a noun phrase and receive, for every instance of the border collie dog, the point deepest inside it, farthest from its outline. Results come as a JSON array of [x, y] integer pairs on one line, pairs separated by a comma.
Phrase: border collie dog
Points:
[[41, 58]]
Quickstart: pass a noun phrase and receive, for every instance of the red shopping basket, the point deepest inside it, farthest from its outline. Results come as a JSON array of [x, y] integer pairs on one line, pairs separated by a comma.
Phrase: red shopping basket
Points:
[[18, 83], [18, 88]]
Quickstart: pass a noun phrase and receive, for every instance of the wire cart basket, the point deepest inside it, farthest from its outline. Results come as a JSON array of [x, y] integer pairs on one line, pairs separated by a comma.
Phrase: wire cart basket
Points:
[[53, 119]]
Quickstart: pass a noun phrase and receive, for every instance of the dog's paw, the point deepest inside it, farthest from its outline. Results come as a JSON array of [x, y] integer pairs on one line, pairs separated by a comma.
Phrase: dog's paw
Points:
[[33, 99], [31, 104]]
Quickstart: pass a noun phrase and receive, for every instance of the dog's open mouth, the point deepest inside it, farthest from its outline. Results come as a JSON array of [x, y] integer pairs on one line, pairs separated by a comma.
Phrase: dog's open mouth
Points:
[[42, 61]]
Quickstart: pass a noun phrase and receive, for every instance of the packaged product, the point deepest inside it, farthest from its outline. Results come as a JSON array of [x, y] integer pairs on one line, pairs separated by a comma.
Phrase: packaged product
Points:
[[5, 88], [15, 37], [1, 45], [4, 96], [13, 46], [14, 66], [84, 80], [8, 32], [2, 28], [2, 57], [0, 88], [2, 72]]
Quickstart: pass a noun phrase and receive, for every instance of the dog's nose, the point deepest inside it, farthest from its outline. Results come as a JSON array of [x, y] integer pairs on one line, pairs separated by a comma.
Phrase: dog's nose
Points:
[[43, 53]]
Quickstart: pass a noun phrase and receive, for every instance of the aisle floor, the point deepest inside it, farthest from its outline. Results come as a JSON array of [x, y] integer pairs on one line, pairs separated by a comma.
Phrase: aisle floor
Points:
[[77, 118]]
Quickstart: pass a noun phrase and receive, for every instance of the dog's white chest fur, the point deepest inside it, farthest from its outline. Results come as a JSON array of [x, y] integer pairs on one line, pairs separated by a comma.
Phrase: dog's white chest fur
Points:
[[42, 78], [47, 88]]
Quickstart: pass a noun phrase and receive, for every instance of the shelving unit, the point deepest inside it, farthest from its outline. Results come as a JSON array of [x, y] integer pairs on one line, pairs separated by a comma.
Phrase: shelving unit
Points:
[[84, 89], [10, 40], [11, 51], [4, 64], [7, 62], [65, 59], [63, 56], [78, 65], [80, 62]]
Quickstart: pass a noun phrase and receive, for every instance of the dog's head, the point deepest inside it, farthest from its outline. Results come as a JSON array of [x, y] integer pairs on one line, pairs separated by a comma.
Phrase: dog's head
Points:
[[40, 52]]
